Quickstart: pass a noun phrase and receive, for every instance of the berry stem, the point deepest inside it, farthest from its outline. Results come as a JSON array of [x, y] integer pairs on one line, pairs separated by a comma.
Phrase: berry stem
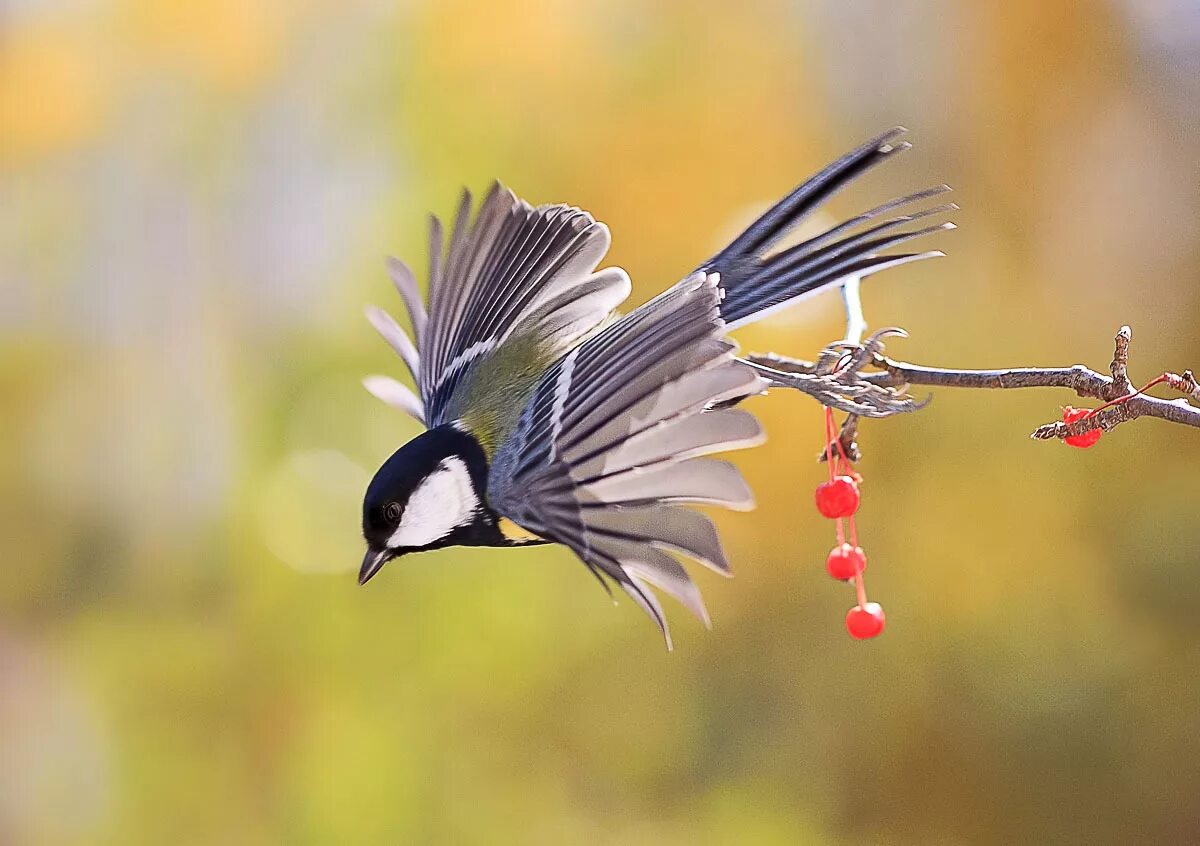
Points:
[[860, 589], [860, 582], [1157, 380], [830, 435]]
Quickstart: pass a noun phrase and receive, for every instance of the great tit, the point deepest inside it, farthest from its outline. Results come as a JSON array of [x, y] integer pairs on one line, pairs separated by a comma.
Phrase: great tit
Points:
[[551, 419]]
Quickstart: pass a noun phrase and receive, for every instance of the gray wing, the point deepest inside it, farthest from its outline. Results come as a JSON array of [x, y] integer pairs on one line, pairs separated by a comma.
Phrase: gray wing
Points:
[[607, 450], [514, 270]]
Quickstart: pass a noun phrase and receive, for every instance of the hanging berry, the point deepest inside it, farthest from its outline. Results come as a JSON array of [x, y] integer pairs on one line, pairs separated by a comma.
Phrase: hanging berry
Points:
[[845, 562], [839, 497], [865, 621]]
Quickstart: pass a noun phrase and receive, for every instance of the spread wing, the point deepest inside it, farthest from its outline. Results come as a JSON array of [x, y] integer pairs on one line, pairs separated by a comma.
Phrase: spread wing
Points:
[[608, 447], [514, 271]]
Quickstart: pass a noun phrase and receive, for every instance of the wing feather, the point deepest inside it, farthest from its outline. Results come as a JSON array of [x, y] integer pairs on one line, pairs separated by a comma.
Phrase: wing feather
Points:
[[396, 337], [607, 451], [406, 286], [699, 480], [396, 395], [672, 440], [515, 271]]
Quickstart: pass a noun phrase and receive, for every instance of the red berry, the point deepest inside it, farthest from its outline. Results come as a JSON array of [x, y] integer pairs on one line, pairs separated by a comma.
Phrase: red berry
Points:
[[1087, 439], [865, 621], [846, 562], [838, 497]]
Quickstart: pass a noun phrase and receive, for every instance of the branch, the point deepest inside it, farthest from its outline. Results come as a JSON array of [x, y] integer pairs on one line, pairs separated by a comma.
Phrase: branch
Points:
[[839, 379]]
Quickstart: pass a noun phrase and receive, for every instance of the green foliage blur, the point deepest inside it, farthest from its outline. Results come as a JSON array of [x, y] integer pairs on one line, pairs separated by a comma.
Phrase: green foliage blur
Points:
[[197, 202]]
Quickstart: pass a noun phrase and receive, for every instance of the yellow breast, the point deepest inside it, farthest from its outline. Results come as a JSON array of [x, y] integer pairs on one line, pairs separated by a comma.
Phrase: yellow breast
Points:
[[516, 534]]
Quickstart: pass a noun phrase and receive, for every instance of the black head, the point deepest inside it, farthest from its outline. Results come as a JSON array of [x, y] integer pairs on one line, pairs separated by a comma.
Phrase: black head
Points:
[[429, 494]]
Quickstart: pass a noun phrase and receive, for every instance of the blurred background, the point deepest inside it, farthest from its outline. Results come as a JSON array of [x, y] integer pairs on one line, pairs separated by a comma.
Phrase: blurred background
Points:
[[197, 202]]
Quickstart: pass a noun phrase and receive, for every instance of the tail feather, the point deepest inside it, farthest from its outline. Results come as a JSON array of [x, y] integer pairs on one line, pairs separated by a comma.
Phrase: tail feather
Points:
[[841, 259], [773, 225], [756, 283], [813, 251], [884, 208]]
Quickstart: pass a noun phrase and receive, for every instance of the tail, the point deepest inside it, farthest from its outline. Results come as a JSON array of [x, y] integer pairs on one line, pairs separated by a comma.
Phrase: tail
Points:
[[756, 284]]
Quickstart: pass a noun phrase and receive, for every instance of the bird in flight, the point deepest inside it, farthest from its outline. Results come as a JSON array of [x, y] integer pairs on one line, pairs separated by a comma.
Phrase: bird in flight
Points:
[[551, 418]]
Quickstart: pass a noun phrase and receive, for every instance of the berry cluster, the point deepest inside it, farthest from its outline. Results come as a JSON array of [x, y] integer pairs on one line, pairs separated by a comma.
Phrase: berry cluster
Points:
[[838, 500]]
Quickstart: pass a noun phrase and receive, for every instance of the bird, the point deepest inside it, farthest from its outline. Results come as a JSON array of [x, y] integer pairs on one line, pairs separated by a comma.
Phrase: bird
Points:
[[552, 418]]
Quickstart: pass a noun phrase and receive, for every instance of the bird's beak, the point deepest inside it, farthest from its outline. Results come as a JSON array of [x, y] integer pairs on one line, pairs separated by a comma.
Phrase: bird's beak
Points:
[[372, 562]]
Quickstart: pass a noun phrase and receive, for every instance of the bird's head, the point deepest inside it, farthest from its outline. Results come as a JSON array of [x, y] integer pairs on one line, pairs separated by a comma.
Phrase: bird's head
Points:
[[428, 495]]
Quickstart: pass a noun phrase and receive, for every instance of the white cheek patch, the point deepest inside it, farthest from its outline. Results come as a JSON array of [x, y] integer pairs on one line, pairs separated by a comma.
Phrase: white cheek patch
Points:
[[443, 501]]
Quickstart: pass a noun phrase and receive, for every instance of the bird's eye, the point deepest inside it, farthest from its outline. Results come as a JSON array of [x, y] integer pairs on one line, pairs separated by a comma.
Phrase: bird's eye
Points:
[[392, 512]]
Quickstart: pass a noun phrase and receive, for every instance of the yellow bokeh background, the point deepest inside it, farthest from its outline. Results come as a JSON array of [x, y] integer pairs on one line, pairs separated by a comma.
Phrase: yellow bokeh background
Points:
[[195, 204]]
